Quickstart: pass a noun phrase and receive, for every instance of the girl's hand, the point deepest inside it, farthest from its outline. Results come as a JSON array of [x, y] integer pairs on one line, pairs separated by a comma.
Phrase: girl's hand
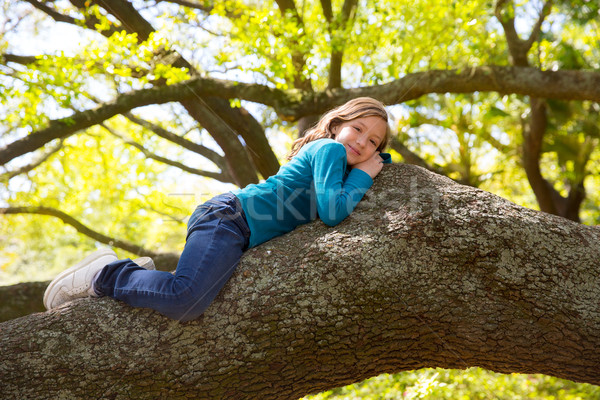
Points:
[[372, 166]]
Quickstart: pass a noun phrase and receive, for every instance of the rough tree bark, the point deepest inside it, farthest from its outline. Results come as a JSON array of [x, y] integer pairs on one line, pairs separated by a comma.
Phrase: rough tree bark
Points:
[[425, 273]]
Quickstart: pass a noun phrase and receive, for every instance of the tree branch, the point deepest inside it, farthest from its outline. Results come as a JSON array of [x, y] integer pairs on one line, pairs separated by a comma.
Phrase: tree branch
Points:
[[533, 136], [548, 198], [563, 84], [23, 60], [337, 53], [518, 48], [293, 104], [212, 113], [257, 144], [81, 228], [230, 12], [537, 28], [424, 273], [21, 299], [65, 127], [219, 176], [327, 10], [577, 193], [89, 23], [136, 72], [55, 15], [125, 12], [34, 164], [181, 141], [288, 7], [190, 4], [411, 157]]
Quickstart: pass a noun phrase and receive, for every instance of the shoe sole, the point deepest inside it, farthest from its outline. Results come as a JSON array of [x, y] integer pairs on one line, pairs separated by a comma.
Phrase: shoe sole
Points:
[[89, 259]]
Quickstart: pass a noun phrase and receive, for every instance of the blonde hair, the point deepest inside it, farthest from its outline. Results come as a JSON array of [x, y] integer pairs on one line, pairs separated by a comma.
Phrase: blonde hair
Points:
[[353, 109]]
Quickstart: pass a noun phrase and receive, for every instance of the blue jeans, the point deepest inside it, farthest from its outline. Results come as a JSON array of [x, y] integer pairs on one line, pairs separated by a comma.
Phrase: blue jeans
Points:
[[217, 236]]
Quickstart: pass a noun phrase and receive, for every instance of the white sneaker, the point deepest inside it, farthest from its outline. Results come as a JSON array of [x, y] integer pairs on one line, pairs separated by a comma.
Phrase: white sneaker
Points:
[[145, 262], [76, 282]]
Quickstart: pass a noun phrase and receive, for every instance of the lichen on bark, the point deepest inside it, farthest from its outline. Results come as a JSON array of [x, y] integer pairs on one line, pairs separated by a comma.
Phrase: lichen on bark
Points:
[[424, 273]]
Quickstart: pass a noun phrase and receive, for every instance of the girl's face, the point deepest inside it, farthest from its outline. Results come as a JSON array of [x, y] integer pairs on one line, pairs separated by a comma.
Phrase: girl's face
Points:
[[361, 137]]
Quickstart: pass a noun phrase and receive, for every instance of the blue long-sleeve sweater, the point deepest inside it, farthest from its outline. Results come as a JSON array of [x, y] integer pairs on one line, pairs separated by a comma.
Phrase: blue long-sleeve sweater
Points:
[[314, 182]]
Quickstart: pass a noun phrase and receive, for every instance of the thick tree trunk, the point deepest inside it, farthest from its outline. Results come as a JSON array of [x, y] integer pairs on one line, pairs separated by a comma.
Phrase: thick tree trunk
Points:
[[21, 299], [425, 273]]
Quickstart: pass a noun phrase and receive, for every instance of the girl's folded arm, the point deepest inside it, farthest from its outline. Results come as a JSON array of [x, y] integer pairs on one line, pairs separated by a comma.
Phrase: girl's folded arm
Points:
[[337, 198]]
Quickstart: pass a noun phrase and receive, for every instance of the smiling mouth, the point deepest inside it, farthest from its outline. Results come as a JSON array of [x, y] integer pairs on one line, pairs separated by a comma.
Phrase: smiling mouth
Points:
[[354, 150]]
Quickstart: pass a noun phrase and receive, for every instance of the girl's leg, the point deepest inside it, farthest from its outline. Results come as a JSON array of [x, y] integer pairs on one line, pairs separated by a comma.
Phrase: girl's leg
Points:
[[217, 236]]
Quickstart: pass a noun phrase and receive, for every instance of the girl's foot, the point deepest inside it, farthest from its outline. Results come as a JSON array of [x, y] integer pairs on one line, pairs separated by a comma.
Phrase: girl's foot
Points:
[[76, 282], [145, 262]]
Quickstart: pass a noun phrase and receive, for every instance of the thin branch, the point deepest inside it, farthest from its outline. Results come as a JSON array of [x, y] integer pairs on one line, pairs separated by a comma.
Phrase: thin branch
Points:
[[55, 15], [537, 28], [518, 47], [125, 12], [230, 13], [189, 4], [89, 23], [220, 176], [81, 228], [136, 72], [5, 177], [23, 60], [411, 157], [298, 57], [181, 141], [147, 206], [210, 32]]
